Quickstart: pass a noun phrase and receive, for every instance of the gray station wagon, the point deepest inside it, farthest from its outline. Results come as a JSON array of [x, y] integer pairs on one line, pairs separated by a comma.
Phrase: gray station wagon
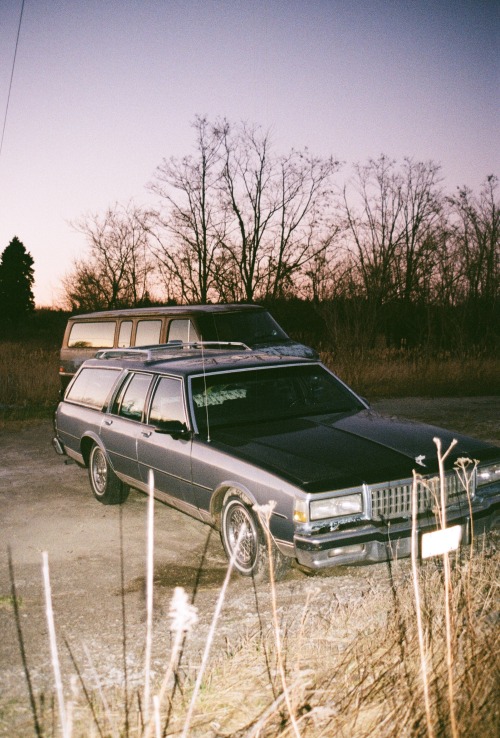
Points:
[[228, 432]]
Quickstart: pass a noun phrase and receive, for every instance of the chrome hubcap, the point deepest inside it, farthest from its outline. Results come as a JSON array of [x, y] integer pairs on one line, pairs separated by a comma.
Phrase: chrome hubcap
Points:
[[99, 472], [240, 524]]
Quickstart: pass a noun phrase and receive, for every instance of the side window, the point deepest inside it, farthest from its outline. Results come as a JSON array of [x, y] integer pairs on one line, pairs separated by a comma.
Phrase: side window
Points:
[[92, 335], [182, 330], [92, 386], [132, 397], [167, 404], [148, 332], [125, 334]]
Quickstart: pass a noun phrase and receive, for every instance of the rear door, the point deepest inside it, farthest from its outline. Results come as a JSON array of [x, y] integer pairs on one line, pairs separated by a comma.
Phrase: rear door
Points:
[[122, 427]]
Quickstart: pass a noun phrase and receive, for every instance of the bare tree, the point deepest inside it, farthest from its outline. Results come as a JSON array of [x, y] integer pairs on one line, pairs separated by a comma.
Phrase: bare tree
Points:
[[118, 270], [193, 224], [305, 230], [421, 204], [477, 230], [250, 201], [392, 228], [278, 208], [373, 225]]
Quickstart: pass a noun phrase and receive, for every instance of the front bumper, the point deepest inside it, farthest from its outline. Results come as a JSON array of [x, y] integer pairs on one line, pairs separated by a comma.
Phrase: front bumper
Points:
[[371, 543]]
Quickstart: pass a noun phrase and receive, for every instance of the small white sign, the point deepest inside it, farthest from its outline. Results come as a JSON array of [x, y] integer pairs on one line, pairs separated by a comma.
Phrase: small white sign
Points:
[[439, 542]]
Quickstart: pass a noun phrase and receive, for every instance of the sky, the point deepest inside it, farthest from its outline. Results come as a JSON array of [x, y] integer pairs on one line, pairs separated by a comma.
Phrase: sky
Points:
[[103, 90]]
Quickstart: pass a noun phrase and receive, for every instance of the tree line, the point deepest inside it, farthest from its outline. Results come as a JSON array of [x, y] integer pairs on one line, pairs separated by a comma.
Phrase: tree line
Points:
[[386, 256]]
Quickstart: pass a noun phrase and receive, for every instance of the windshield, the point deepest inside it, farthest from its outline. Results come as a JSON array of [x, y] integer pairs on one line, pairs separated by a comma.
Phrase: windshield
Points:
[[249, 327], [257, 395]]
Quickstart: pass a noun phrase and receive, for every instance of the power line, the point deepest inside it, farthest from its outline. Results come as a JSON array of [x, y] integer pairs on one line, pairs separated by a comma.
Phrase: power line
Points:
[[11, 77]]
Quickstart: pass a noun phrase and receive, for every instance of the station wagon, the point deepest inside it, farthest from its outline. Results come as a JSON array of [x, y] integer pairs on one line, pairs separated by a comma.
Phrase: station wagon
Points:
[[230, 433]]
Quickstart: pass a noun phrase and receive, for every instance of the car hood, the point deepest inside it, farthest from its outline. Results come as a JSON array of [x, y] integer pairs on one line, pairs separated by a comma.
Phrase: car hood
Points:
[[337, 452]]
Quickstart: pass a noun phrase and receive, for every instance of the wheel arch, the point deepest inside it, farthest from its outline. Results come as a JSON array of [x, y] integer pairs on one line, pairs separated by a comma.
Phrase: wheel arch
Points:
[[225, 490], [86, 444]]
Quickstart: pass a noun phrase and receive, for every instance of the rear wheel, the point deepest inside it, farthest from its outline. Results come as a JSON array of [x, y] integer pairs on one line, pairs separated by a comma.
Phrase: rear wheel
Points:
[[106, 486], [239, 522]]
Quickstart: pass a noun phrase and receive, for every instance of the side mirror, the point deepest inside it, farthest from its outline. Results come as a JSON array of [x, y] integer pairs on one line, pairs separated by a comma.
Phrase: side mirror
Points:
[[173, 428]]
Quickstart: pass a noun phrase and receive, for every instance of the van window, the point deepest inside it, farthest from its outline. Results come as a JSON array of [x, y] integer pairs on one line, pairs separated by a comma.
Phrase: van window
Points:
[[92, 335], [252, 328], [182, 330], [148, 332], [125, 334], [92, 386]]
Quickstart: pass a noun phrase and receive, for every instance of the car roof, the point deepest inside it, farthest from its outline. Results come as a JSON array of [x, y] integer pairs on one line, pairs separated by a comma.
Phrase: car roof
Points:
[[184, 361], [172, 310]]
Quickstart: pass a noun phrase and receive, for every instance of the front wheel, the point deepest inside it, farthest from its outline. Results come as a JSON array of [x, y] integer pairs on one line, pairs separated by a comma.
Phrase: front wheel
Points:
[[239, 523], [106, 486]]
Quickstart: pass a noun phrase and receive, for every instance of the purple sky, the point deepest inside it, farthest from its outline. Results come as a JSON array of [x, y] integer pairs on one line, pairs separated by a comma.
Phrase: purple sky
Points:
[[103, 90]]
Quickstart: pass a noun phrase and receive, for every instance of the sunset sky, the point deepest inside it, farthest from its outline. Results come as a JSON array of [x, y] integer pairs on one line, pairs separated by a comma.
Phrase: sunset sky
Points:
[[103, 90]]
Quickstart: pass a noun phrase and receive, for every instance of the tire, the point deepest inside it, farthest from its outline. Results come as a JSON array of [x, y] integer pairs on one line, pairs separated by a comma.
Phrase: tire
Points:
[[252, 559], [105, 485]]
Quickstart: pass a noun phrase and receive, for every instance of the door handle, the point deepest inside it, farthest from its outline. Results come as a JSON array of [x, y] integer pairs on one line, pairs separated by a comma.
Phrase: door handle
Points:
[[108, 422], [146, 434]]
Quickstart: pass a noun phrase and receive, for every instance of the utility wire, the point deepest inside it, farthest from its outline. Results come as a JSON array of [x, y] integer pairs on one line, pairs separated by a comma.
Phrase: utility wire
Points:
[[11, 77]]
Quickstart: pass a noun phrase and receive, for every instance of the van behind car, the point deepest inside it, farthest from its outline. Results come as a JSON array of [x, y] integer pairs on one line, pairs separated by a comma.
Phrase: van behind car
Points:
[[251, 325]]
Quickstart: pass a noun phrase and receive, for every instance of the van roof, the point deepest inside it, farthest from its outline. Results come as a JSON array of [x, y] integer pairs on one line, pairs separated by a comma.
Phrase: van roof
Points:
[[172, 310]]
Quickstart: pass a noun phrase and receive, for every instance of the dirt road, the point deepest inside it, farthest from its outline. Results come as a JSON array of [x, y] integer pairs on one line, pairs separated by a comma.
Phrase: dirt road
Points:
[[97, 552]]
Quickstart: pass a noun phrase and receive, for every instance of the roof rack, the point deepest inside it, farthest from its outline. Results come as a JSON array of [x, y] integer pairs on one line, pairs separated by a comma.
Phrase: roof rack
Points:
[[150, 353]]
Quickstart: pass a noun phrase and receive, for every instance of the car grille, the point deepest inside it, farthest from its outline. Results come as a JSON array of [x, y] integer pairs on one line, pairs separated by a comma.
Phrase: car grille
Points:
[[395, 501]]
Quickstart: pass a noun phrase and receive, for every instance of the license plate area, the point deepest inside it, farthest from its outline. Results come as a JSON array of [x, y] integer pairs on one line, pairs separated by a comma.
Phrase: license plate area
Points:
[[439, 542]]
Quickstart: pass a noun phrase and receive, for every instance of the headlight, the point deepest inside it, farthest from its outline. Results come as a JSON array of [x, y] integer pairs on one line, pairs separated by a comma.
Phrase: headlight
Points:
[[488, 474], [333, 507]]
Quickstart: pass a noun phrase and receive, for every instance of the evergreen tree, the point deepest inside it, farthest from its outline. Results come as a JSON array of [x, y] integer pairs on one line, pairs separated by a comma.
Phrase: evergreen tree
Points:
[[16, 282]]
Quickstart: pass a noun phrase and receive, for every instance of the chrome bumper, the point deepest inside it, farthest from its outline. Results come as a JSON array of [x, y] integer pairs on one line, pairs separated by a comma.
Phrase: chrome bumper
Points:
[[370, 543]]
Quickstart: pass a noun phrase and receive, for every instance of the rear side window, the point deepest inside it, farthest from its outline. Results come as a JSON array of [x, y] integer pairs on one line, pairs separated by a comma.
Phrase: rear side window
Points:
[[132, 397], [148, 332], [92, 335], [93, 386]]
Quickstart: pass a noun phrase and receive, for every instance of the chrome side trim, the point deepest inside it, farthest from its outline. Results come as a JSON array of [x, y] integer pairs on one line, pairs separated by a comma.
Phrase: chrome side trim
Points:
[[75, 455], [164, 497]]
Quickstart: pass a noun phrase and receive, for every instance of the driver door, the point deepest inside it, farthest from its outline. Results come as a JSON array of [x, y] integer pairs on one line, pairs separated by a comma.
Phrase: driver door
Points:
[[167, 453]]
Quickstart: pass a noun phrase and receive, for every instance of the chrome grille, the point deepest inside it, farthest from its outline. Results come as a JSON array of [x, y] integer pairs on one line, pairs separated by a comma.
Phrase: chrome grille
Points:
[[395, 501]]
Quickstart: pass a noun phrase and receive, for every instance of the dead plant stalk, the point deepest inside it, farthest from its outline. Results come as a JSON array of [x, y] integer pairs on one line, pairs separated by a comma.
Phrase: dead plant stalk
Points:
[[447, 587], [66, 731], [418, 607], [265, 512]]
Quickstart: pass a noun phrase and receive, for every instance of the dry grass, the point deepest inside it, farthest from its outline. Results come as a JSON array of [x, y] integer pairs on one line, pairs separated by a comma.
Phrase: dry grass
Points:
[[386, 373], [29, 379], [352, 667]]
